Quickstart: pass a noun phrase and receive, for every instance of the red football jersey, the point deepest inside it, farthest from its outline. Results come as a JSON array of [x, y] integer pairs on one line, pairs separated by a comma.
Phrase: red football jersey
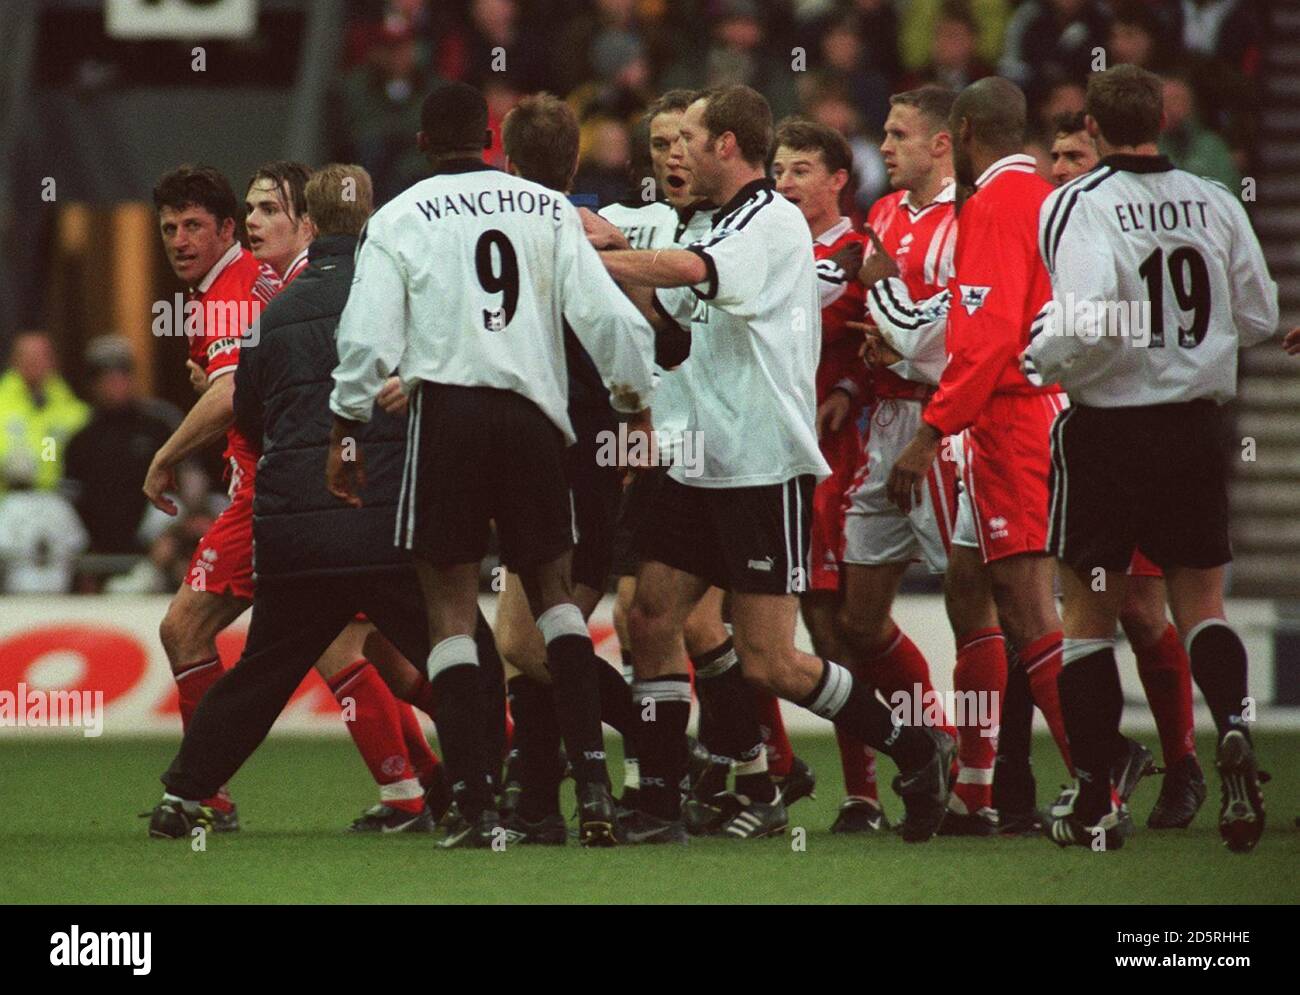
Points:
[[842, 296], [230, 297], [297, 266], [922, 242], [999, 286]]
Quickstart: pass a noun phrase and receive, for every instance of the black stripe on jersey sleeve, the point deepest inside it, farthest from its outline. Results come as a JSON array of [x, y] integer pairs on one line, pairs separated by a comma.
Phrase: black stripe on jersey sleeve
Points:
[[1050, 259], [895, 311], [830, 271], [712, 277]]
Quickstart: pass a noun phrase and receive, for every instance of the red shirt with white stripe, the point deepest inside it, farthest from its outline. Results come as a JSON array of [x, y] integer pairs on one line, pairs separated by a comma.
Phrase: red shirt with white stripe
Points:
[[842, 296], [999, 287], [230, 296], [921, 241], [293, 269]]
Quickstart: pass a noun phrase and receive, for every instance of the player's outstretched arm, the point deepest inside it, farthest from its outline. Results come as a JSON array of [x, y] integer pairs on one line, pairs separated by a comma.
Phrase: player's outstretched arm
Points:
[[916, 330], [656, 267], [204, 423]]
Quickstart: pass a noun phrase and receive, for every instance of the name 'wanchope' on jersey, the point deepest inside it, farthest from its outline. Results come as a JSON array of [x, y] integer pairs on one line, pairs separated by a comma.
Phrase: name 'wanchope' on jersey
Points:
[[1157, 280], [755, 344], [466, 278]]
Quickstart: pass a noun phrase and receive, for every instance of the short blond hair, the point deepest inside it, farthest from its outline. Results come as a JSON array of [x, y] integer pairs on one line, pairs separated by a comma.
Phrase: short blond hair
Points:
[[340, 198]]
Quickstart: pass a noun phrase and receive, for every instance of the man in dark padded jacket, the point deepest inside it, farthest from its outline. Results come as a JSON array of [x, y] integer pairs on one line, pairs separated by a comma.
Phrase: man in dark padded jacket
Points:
[[318, 561]]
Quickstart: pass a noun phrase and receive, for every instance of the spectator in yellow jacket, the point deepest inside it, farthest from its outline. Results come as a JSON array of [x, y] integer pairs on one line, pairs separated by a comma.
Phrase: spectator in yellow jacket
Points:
[[38, 413]]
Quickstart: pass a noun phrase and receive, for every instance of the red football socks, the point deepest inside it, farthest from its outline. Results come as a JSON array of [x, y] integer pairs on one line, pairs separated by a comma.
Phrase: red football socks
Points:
[[981, 668], [1166, 675], [1042, 662], [371, 714]]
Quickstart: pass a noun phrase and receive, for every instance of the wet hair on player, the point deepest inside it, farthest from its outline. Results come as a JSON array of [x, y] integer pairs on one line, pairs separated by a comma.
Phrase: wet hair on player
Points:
[[197, 186], [289, 180], [670, 102]]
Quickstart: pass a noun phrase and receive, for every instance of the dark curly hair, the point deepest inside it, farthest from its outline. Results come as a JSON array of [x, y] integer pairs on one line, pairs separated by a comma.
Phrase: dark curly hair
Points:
[[201, 186]]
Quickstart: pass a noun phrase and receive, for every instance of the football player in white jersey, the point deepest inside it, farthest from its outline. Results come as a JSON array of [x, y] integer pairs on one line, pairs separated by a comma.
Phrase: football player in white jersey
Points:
[[749, 291], [751, 740], [1162, 661], [1157, 281], [467, 278]]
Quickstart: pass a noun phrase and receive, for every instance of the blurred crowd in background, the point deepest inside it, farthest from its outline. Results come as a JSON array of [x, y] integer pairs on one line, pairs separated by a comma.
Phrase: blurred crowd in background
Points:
[[833, 60], [72, 515]]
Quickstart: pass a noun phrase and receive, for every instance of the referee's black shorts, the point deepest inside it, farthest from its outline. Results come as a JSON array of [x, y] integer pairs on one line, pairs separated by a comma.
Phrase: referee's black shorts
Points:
[[750, 540], [597, 491], [475, 455], [1149, 478]]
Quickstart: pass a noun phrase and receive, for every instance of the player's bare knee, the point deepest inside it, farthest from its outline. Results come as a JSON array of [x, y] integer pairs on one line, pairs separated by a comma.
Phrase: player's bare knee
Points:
[[862, 631], [176, 634], [648, 625], [1141, 626]]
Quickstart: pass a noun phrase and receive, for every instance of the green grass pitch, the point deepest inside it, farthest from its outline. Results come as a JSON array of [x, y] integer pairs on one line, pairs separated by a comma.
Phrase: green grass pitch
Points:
[[69, 832]]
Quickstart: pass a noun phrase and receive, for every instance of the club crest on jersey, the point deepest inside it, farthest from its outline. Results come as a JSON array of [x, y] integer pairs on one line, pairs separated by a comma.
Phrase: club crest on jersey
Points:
[[494, 319], [973, 298]]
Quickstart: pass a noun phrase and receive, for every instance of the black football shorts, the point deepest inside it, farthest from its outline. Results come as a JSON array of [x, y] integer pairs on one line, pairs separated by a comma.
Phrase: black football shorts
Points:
[[1149, 478]]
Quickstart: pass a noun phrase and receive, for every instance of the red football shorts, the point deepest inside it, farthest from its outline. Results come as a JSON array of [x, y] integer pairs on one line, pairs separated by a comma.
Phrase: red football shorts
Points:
[[1007, 459], [223, 560], [843, 451], [1140, 566]]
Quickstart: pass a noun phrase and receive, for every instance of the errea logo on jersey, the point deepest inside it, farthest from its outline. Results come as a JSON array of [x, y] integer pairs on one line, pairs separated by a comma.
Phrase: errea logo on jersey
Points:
[[973, 298], [998, 527]]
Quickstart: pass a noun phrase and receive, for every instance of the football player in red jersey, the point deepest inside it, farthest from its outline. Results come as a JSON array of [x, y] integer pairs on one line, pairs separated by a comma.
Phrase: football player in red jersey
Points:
[[914, 232], [811, 168], [999, 287], [229, 286]]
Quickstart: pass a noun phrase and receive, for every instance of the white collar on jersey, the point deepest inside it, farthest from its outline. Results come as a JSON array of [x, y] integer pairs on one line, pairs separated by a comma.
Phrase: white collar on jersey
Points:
[[299, 262], [1017, 162], [835, 231], [947, 194], [210, 277]]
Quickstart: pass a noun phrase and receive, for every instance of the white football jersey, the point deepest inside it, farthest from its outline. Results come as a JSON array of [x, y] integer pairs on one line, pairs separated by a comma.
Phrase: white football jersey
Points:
[[660, 226], [644, 225], [755, 343], [466, 278], [1157, 281]]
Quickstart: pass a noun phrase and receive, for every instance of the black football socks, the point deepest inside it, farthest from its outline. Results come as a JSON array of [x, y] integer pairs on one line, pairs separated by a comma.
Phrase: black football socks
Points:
[[1219, 666], [1092, 704], [572, 663]]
